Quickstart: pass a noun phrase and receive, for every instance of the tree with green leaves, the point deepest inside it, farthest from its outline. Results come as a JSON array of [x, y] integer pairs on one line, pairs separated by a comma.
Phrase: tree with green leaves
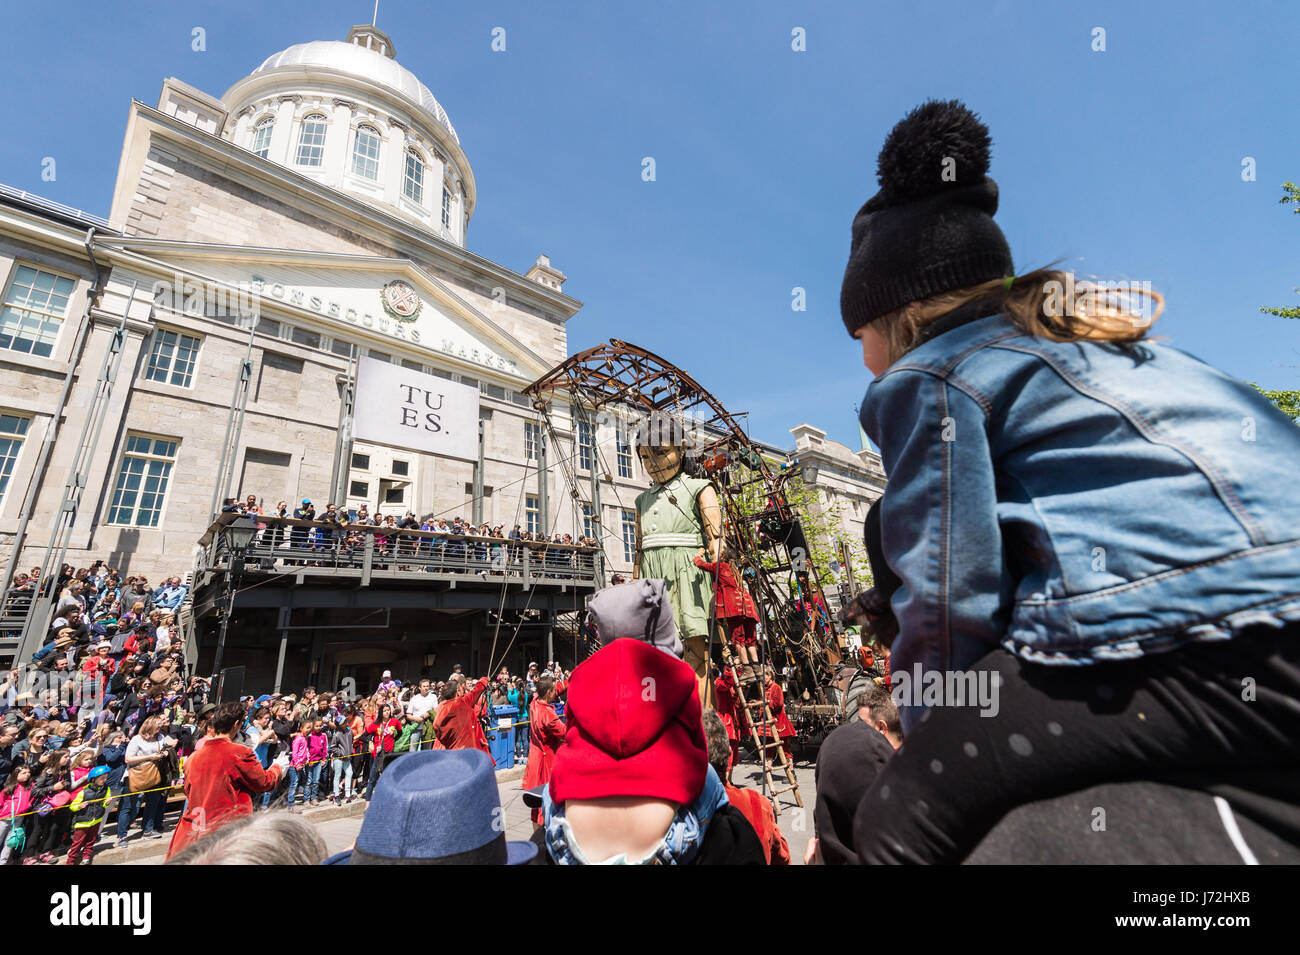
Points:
[[1290, 196], [1288, 402]]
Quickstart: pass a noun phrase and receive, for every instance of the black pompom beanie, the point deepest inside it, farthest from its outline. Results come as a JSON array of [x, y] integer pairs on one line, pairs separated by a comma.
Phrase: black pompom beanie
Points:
[[930, 228]]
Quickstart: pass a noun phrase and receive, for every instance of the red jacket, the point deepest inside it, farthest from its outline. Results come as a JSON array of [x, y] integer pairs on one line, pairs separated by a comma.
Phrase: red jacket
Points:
[[726, 694], [103, 669], [386, 735], [776, 703], [732, 600], [545, 734], [220, 780], [456, 724], [760, 815]]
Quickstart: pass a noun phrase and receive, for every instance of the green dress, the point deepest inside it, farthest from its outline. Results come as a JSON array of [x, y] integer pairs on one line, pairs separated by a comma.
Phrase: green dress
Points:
[[671, 536]]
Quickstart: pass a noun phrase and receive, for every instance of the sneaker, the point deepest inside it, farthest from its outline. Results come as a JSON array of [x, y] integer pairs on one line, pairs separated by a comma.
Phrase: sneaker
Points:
[[46, 857], [120, 843], [152, 835]]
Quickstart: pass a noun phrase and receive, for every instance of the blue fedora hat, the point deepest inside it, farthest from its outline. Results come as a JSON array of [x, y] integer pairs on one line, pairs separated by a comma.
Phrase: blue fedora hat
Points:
[[436, 807]]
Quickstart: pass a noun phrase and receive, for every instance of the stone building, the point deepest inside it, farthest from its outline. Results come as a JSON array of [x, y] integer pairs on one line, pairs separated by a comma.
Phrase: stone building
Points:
[[315, 213], [847, 482]]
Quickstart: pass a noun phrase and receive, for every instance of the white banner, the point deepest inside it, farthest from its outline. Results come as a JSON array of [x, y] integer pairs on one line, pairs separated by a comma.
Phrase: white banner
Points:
[[409, 409]]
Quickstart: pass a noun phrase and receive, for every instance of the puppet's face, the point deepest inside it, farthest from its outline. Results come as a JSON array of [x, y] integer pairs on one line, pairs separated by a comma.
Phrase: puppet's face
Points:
[[662, 463]]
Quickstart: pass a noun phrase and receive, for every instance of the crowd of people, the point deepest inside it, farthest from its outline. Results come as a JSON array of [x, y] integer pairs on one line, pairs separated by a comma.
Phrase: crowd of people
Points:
[[338, 537], [78, 765]]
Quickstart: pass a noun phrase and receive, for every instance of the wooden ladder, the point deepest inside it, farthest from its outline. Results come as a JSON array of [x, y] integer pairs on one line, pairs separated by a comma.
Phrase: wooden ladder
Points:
[[759, 716]]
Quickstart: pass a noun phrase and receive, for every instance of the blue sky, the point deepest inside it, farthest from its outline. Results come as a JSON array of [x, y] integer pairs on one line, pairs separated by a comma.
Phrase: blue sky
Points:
[[1123, 164]]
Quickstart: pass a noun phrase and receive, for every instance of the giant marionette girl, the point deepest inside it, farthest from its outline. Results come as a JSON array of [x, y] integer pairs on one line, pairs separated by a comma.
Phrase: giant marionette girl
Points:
[[678, 519]]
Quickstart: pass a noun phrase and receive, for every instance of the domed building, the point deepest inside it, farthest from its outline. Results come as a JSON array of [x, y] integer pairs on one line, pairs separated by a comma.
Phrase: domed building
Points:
[[350, 116], [283, 276]]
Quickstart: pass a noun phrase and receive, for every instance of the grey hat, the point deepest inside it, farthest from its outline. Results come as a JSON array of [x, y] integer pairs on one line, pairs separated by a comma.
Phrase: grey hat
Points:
[[639, 610]]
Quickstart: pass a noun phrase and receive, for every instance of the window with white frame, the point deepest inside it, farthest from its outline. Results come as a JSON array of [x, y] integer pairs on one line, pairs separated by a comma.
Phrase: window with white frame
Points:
[[172, 358], [629, 534], [142, 480], [624, 443], [34, 309], [532, 440], [365, 153], [446, 206], [413, 178], [588, 525], [586, 446], [533, 514], [311, 141], [262, 136], [13, 429]]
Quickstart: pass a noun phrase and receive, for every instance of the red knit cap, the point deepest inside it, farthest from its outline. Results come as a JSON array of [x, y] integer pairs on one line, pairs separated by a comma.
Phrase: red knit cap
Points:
[[634, 728]]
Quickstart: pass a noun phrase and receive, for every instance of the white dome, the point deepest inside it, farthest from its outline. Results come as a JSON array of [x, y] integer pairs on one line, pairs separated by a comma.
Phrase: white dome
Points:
[[367, 64]]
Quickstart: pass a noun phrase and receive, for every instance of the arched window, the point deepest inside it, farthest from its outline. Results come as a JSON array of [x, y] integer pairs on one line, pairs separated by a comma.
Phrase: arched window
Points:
[[413, 180], [446, 206], [365, 153], [262, 136], [311, 141]]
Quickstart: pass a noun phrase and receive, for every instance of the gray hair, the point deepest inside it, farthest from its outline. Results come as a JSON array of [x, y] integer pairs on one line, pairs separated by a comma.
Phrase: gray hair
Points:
[[270, 838]]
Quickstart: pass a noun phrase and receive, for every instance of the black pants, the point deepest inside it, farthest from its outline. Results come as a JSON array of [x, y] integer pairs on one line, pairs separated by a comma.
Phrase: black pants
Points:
[[47, 831], [1205, 716]]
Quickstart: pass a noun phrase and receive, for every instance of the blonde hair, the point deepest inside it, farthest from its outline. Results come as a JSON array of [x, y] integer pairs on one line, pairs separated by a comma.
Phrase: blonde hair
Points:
[[1047, 303], [273, 838]]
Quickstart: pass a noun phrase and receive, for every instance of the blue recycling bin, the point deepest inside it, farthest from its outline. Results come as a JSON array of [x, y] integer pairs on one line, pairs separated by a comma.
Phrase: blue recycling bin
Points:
[[501, 741]]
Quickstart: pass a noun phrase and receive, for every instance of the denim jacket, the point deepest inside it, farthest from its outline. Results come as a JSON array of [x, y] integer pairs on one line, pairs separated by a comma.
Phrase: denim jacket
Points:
[[1078, 502]]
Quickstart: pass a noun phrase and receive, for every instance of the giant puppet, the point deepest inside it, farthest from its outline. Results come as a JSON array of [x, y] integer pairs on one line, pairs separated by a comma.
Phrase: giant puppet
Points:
[[678, 519]]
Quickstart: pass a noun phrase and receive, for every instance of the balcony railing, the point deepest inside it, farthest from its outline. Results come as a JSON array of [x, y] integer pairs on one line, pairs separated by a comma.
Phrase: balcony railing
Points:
[[287, 545]]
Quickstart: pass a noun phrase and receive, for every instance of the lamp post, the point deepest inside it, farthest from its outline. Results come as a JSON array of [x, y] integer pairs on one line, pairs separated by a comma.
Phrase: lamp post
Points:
[[239, 534]]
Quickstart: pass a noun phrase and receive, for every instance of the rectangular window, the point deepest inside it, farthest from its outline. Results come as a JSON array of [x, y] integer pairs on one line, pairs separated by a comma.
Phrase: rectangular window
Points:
[[34, 310], [533, 512], [365, 153], [402, 468], [361, 462], [586, 446], [262, 137], [359, 489], [624, 451], [532, 440], [311, 141], [588, 525], [304, 337], [629, 535], [142, 480], [413, 180], [395, 495], [172, 358], [12, 431]]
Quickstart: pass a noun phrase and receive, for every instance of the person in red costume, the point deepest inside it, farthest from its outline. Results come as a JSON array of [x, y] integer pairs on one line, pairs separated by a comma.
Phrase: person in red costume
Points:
[[726, 699], [545, 734], [756, 810], [385, 729], [220, 780], [734, 608], [456, 724], [776, 703]]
